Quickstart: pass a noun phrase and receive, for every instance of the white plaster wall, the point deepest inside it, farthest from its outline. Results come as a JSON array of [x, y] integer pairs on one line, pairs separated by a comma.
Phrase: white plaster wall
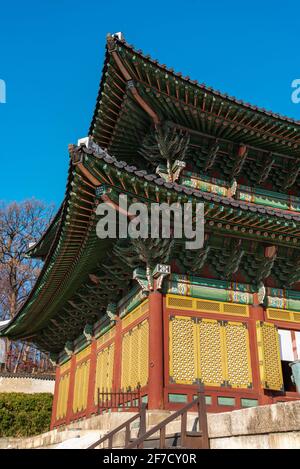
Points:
[[27, 385]]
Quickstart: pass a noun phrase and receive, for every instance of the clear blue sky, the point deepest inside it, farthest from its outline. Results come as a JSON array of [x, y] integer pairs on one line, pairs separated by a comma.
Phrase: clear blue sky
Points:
[[51, 57]]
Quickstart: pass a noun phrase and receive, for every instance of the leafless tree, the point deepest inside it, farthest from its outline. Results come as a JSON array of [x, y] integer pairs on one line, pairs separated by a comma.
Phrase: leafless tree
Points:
[[20, 224]]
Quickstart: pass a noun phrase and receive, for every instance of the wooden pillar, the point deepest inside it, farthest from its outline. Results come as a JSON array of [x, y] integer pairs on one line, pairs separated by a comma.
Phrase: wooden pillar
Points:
[[55, 397], [156, 375], [256, 314], [92, 378], [71, 389], [116, 382]]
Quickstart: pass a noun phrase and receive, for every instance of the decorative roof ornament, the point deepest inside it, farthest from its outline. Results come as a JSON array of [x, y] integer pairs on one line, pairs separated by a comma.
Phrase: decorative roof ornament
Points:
[[111, 311], [235, 256], [160, 272], [267, 167], [88, 332], [169, 145], [140, 276], [212, 156], [150, 280], [261, 293], [294, 275], [266, 263], [69, 348], [232, 189], [177, 168], [89, 143], [239, 161], [119, 36], [53, 357], [292, 174]]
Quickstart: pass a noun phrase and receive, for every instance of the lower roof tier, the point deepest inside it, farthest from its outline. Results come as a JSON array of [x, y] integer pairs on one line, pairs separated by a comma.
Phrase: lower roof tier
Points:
[[82, 274]]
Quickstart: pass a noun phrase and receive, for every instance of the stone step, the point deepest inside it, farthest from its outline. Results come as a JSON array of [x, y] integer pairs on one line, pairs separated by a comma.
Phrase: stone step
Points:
[[173, 440]]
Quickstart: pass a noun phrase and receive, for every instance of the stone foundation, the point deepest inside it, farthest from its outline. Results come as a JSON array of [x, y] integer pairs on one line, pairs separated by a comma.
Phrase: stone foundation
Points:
[[273, 426]]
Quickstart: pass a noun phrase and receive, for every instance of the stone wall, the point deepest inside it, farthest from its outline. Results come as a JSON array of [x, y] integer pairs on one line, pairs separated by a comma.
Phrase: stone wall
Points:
[[27, 384], [271, 426]]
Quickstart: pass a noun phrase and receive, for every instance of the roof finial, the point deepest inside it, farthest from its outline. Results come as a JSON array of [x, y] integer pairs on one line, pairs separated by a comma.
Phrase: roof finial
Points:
[[119, 36]]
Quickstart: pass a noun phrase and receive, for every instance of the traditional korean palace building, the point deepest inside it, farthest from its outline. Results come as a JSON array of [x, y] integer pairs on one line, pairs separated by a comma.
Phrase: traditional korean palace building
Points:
[[119, 313]]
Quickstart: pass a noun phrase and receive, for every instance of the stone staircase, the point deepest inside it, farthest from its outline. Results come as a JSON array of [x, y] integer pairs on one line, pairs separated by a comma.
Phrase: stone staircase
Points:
[[185, 432], [173, 432]]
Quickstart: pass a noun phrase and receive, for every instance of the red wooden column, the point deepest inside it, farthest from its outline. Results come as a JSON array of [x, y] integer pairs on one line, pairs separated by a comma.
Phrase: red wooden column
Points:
[[55, 397], [116, 382], [71, 389], [256, 314], [156, 355], [92, 378]]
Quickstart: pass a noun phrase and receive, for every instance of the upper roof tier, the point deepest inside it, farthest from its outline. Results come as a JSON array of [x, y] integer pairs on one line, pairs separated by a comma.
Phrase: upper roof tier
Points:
[[136, 91]]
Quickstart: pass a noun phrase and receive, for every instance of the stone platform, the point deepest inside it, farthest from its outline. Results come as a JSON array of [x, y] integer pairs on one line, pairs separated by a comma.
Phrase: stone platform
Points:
[[265, 427]]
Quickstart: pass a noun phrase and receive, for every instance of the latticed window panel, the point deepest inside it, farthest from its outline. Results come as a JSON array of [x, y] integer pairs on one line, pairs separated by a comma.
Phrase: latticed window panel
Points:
[[81, 386], [212, 356], [135, 314], [283, 315], [104, 370], [238, 361], [174, 301], [63, 393], [135, 356], [214, 352], [183, 352], [106, 337], [83, 354], [207, 306], [65, 367], [269, 356]]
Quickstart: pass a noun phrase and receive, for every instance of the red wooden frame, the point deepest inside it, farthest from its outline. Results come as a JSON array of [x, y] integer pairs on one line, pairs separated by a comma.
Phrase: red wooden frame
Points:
[[159, 386], [256, 313]]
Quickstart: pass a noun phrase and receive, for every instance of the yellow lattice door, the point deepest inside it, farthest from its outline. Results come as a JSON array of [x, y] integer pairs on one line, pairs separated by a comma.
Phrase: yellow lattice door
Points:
[[143, 348], [269, 356], [126, 361], [238, 361], [135, 356], [63, 392], [104, 371], [212, 353], [182, 350], [81, 386]]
